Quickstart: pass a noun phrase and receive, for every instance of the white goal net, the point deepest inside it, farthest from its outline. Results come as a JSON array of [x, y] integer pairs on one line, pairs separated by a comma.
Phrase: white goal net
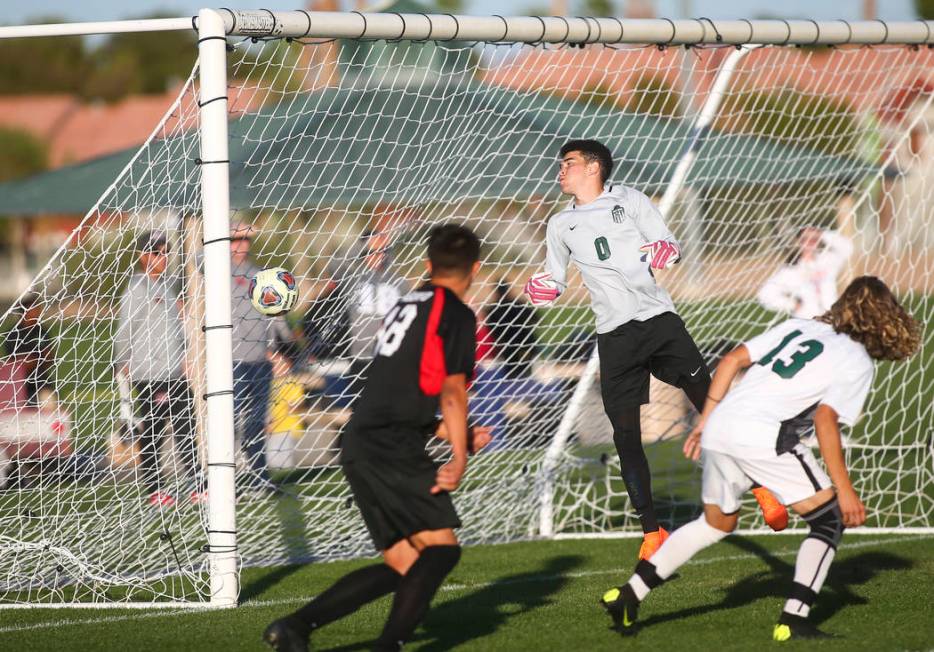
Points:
[[343, 154]]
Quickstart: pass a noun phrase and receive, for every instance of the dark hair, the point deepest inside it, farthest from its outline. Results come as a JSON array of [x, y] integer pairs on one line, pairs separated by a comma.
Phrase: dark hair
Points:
[[868, 312], [452, 248], [591, 150]]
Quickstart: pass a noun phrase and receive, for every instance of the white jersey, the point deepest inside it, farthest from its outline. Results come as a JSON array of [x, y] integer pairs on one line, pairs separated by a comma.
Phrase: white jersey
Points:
[[808, 288], [797, 366], [603, 238]]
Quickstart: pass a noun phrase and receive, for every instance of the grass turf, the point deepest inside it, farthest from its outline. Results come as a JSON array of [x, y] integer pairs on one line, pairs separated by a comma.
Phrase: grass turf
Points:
[[543, 595]]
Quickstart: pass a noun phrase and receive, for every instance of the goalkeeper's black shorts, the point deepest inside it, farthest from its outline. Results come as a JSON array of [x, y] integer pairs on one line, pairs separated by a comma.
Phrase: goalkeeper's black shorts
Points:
[[660, 346], [395, 499]]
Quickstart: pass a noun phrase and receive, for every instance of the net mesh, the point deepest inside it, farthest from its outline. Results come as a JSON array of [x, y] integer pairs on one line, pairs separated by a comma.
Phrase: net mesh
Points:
[[343, 155]]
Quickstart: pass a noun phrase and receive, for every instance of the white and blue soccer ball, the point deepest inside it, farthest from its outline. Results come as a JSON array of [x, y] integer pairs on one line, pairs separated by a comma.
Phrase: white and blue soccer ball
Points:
[[273, 291]]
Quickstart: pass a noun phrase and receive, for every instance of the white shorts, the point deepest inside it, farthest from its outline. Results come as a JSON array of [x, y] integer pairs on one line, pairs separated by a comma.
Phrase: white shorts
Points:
[[791, 477]]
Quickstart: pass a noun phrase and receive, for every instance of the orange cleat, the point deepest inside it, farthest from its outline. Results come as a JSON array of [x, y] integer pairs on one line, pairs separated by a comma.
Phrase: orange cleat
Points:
[[774, 513], [651, 542]]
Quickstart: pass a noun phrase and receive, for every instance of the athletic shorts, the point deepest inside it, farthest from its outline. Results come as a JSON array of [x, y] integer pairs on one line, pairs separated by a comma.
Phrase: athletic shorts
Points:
[[660, 346], [791, 477], [395, 499]]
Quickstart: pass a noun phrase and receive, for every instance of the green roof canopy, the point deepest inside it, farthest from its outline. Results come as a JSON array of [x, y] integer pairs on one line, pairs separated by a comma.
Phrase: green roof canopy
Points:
[[428, 141]]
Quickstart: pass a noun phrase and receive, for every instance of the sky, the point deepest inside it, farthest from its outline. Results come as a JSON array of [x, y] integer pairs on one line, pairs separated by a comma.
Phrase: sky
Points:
[[14, 12]]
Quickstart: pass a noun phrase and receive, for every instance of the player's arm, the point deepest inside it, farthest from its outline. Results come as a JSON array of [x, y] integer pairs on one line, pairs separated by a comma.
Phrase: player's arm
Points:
[[477, 436], [543, 288], [454, 419], [660, 247], [837, 249], [731, 364], [827, 427], [778, 291]]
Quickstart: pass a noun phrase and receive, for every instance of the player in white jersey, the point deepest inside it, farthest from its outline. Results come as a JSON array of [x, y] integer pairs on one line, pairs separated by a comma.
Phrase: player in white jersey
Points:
[[616, 237], [820, 370], [807, 285]]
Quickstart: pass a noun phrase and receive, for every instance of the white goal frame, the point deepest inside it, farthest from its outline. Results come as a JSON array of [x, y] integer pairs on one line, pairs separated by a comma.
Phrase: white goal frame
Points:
[[213, 28]]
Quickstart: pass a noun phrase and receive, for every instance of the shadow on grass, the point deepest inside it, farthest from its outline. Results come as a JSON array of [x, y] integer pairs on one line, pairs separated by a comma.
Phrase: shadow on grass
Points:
[[482, 612], [836, 594], [288, 511]]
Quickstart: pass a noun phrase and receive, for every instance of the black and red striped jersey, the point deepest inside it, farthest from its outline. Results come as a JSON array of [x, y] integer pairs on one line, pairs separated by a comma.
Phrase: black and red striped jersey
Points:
[[428, 335]]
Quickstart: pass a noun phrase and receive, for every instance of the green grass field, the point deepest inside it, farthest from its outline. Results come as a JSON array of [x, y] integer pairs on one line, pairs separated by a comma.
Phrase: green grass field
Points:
[[543, 595]]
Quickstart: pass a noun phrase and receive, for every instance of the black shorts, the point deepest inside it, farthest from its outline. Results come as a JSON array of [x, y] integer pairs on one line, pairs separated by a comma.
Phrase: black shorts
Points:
[[660, 346], [395, 499]]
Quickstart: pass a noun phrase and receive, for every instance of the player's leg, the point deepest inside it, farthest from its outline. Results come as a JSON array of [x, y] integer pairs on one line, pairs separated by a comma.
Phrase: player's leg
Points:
[[343, 598], [254, 425], [359, 587], [438, 554], [806, 487], [181, 409], [679, 362], [634, 467], [624, 386], [723, 485], [153, 423]]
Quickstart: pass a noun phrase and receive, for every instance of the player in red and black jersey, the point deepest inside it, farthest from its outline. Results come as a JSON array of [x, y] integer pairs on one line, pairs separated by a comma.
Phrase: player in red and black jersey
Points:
[[423, 360]]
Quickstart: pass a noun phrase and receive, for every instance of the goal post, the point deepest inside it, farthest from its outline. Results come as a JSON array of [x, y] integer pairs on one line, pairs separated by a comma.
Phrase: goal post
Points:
[[341, 138], [219, 387]]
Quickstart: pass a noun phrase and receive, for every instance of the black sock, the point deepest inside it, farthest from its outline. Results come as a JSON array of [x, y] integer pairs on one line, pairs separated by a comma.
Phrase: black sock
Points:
[[348, 594], [415, 592], [634, 467]]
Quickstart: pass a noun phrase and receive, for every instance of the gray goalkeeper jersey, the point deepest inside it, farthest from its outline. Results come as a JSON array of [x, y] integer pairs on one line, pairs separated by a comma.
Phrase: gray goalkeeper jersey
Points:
[[603, 238]]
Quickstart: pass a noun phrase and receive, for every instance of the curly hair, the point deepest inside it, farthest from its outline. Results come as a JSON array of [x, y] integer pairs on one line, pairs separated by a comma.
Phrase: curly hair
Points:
[[868, 312]]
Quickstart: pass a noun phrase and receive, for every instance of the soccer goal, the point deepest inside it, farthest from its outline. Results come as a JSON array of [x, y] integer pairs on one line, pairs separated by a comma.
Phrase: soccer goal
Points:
[[331, 143]]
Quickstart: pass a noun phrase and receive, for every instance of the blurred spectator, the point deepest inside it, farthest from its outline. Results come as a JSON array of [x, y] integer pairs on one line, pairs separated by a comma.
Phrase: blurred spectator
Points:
[[512, 323], [286, 424], [254, 337], [344, 321], [28, 343], [149, 348], [807, 285]]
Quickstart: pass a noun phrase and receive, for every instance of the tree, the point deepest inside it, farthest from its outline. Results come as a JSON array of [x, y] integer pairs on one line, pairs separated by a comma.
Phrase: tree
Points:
[[450, 6], [599, 8], [147, 62], [21, 154], [43, 65], [925, 9]]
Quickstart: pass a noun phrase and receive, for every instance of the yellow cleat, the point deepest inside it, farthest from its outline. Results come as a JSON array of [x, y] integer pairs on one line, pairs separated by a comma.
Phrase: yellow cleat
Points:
[[623, 606], [781, 633]]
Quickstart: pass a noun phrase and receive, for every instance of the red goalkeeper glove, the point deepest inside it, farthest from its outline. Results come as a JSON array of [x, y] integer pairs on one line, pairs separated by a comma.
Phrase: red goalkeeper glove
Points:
[[541, 289], [661, 254]]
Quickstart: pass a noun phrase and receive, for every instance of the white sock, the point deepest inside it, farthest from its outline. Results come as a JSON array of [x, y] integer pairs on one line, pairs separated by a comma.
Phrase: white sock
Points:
[[684, 543], [811, 567]]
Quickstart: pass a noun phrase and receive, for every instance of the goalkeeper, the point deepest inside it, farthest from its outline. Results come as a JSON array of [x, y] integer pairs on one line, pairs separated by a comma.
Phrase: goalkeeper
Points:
[[617, 238]]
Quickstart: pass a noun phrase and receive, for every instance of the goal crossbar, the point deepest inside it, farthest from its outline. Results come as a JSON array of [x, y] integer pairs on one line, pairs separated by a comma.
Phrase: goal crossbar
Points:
[[517, 29]]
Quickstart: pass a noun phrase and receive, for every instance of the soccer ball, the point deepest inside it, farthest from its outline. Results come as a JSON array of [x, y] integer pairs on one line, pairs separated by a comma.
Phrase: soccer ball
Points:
[[273, 291]]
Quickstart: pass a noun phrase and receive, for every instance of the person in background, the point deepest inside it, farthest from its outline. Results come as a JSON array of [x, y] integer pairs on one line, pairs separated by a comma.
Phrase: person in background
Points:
[[28, 343], [807, 285], [345, 319], [286, 424], [512, 324], [149, 348], [253, 337]]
